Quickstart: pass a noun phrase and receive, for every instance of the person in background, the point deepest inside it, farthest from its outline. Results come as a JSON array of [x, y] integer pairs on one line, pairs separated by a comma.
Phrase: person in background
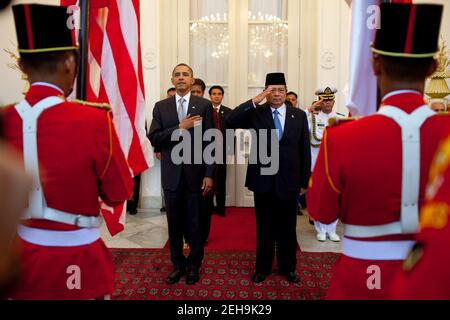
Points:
[[292, 98], [171, 92], [317, 124], [439, 105], [198, 88], [73, 154], [220, 114]]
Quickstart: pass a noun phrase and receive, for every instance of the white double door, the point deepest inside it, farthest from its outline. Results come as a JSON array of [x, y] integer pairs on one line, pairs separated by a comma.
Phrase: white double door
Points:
[[237, 194]]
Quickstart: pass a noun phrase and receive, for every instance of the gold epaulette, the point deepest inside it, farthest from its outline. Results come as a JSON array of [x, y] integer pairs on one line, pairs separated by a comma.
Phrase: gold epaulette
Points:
[[444, 113], [334, 122], [105, 106]]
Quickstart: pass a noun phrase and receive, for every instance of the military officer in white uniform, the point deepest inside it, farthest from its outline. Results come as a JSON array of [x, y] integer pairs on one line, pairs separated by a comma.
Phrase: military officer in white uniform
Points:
[[318, 118]]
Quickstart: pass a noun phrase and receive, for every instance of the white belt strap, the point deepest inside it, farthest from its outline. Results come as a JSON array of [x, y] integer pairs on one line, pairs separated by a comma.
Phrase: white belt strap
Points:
[[37, 207], [52, 238], [409, 221], [377, 250]]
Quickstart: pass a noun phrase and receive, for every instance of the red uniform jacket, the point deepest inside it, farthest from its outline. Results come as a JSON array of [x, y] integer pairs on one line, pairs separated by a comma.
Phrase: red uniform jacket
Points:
[[426, 274], [357, 179], [80, 160]]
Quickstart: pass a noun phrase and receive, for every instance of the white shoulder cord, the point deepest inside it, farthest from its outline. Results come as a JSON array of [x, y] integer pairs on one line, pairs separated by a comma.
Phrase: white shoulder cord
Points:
[[410, 125], [30, 116]]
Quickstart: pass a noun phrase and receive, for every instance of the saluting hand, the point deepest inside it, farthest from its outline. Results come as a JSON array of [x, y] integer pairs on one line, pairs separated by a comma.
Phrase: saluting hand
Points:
[[315, 108], [190, 122], [259, 98]]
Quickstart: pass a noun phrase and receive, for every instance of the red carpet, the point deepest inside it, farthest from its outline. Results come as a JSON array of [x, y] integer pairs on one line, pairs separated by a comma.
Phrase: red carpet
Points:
[[236, 231], [140, 275]]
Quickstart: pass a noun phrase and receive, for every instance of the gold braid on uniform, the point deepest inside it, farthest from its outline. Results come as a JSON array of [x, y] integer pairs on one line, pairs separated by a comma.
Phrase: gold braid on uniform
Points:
[[314, 133]]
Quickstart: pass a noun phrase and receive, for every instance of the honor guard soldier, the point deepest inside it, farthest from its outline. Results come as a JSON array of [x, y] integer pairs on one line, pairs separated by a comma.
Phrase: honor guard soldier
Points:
[[73, 153], [371, 173], [317, 122]]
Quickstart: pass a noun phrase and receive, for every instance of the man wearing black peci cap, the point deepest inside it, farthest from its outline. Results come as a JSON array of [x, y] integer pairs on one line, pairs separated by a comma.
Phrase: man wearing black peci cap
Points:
[[371, 173], [73, 154], [276, 193]]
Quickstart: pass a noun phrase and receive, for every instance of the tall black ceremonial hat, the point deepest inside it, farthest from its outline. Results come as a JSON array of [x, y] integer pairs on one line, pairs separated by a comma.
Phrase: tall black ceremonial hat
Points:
[[275, 79], [408, 30], [43, 28]]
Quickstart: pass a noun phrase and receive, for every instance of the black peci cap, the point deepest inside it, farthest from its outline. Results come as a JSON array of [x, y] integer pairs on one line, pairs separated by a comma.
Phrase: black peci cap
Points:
[[275, 79], [43, 28], [408, 30]]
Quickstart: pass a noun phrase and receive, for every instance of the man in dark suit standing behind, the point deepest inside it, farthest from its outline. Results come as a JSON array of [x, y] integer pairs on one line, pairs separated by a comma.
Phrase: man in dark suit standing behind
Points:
[[184, 184], [276, 195], [220, 114]]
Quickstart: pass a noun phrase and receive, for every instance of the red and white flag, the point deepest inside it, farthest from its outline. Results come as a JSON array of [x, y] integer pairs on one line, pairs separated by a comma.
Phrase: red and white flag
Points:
[[363, 92], [115, 76]]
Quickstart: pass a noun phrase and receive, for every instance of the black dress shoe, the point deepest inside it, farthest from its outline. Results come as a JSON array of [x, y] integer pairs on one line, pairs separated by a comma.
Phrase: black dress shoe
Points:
[[220, 212], [192, 277], [175, 276], [133, 212], [292, 277], [258, 277], [163, 209]]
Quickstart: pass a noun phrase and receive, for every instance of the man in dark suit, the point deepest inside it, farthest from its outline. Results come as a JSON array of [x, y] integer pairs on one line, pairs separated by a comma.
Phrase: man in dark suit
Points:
[[276, 193], [185, 181], [220, 113]]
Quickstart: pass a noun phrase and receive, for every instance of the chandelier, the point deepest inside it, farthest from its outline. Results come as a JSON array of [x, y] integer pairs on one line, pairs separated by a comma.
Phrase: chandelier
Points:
[[260, 27], [213, 31]]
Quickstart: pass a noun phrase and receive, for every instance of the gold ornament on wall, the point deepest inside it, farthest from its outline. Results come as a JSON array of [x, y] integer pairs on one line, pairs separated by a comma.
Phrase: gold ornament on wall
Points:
[[437, 87], [15, 66]]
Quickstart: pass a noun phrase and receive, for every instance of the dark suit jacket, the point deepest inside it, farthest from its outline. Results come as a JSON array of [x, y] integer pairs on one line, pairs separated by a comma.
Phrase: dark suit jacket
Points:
[[228, 149], [165, 122], [224, 113], [294, 148]]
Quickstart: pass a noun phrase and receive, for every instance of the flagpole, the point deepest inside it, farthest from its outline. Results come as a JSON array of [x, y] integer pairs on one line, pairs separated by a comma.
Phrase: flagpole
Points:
[[84, 50]]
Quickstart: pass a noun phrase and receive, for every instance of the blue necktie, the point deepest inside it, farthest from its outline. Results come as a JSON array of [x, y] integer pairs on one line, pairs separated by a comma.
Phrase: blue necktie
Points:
[[278, 125], [181, 114]]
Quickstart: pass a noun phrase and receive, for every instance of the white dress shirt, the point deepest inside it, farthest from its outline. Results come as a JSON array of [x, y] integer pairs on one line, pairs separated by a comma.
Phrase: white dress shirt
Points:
[[282, 116], [186, 98]]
